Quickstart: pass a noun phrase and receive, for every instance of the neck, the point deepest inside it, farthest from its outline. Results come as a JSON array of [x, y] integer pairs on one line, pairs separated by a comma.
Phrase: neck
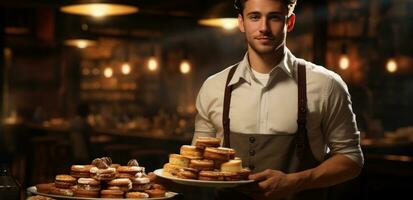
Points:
[[264, 63]]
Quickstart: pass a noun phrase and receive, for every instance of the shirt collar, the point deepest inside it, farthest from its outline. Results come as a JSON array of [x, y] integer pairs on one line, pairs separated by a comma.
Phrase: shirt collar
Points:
[[244, 70]]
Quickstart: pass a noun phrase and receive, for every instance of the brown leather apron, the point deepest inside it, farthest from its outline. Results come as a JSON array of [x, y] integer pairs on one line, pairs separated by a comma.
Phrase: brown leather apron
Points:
[[287, 153]]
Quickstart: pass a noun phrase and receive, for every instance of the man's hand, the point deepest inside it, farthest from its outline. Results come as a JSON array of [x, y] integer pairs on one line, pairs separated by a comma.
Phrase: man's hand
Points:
[[272, 184]]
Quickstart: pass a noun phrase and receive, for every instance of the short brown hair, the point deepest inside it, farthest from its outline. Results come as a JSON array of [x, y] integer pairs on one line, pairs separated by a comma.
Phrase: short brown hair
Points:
[[239, 5]]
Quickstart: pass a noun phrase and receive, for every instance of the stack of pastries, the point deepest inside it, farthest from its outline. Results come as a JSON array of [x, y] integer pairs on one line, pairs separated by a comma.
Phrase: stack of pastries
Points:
[[104, 179], [206, 160]]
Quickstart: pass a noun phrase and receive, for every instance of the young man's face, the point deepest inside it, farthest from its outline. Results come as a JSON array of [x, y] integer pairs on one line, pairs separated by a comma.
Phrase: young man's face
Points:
[[265, 24]]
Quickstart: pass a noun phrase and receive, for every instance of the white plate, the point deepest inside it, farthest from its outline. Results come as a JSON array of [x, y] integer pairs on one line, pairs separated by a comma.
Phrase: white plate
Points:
[[33, 190], [202, 183]]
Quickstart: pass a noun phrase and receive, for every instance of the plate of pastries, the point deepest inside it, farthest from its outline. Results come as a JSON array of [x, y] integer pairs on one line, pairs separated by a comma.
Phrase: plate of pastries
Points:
[[205, 164], [103, 180]]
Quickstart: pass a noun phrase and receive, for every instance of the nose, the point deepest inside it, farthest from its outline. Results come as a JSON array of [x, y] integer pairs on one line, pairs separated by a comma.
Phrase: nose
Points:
[[264, 25]]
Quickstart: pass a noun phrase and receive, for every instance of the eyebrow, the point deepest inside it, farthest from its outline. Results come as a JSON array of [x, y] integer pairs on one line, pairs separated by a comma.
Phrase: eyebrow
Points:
[[259, 13]]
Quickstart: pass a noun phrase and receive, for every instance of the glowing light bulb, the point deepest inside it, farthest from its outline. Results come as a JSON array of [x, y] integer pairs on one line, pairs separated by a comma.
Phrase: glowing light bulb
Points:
[[81, 44], [108, 72], [391, 65], [229, 24], [98, 10], [152, 64], [344, 62], [126, 68], [185, 67]]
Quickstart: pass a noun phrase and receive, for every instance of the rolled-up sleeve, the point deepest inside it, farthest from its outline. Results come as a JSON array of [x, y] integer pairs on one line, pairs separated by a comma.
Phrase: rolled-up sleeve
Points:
[[339, 122], [203, 124]]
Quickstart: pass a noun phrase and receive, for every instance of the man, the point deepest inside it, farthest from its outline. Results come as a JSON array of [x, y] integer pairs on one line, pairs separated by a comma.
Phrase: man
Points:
[[289, 120]]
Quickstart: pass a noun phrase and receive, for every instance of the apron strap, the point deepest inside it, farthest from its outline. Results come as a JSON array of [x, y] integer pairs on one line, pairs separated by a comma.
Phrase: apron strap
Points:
[[227, 102], [302, 139]]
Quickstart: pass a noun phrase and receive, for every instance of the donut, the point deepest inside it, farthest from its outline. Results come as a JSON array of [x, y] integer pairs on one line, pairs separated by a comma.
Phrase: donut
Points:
[[64, 181], [80, 171], [61, 191], [153, 193], [203, 142], [44, 187], [111, 194], [123, 184], [220, 153], [88, 184], [211, 176], [106, 174], [191, 152], [179, 160], [231, 166], [206, 165], [137, 195]]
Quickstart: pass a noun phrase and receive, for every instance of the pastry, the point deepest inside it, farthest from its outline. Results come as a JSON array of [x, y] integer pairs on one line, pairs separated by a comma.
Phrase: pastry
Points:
[[220, 153], [191, 152], [89, 193], [137, 195], [103, 174], [111, 194], [123, 184], [64, 181], [44, 187], [153, 193], [206, 165], [187, 173], [88, 184], [231, 166], [203, 142], [130, 171], [61, 191], [80, 171], [179, 160], [170, 169], [140, 184], [211, 176]]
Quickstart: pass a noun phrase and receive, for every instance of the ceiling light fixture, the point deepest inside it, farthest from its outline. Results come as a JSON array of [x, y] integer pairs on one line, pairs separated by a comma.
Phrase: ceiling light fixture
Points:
[[101, 8], [222, 15]]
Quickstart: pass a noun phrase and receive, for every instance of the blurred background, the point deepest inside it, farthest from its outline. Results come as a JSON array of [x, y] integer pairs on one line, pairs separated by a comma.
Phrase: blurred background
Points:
[[121, 79]]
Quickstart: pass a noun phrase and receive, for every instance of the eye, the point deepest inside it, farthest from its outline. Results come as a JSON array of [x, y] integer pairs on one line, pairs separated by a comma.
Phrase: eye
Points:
[[254, 17], [276, 17]]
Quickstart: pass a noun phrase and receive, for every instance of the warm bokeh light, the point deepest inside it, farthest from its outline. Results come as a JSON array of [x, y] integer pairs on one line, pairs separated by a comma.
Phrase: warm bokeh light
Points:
[[126, 68], [344, 62], [391, 65], [226, 23], [185, 67], [80, 43], [152, 64], [99, 9], [108, 72]]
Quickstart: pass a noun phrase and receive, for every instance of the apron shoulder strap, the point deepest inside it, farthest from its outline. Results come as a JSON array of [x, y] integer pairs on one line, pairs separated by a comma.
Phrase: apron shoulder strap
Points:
[[227, 102], [302, 139]]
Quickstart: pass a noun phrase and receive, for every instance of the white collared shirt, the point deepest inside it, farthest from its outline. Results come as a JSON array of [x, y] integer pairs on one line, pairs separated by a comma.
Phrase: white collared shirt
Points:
[[272, 108]]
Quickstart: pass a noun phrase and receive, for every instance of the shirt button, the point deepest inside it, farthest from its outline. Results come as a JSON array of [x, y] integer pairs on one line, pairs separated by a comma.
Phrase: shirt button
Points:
[[252, 167], [252, 152], [252, 139]]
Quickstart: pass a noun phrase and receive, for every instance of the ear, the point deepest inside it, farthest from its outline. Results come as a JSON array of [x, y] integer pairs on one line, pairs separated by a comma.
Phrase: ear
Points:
[[241, 23], [290, 22]]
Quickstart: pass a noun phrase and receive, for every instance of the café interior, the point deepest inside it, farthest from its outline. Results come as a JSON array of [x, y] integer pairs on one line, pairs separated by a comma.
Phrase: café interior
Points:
[[129, 76]]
